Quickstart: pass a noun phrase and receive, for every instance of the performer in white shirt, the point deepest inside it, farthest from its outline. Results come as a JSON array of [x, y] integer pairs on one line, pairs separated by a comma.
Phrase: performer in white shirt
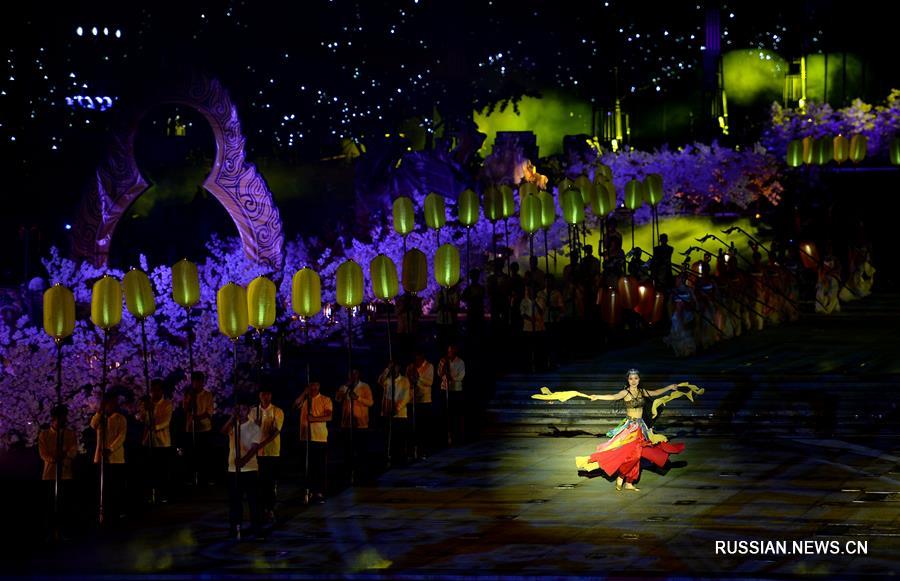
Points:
[[452, 371], [270, 419]]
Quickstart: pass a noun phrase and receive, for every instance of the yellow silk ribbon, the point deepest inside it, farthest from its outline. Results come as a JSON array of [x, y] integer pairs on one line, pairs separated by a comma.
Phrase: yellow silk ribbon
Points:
[[688, 393], [547, 395]]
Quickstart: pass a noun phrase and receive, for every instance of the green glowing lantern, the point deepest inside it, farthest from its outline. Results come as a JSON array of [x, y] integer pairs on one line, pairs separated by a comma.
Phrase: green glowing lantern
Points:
[[528, 189], [634, 194], [507, 201], [584, 185], [564, 185], [492, 204], [59, 312], [653, 186], [139, 297], [231, 308], [603, 171], [823, 150], [435, 212], [106, 302], [383, 272], [446, 265], [261, 303], [306, 293], [404, 215], [572, 206], [858, 146], [602, 202], [548, 209], [467, 208], [841, 149], [894, 151], [349, 284], [808, 153], [415, 271], [185, 283], [795, 153], [530, 214]]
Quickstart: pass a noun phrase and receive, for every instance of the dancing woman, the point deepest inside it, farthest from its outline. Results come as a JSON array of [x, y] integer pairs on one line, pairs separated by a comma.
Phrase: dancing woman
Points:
[[631, 440]]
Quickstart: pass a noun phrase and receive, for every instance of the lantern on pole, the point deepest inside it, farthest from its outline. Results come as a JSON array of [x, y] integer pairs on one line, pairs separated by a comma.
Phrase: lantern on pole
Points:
[[404, 217], [584, 185], [530, 219], [894, 151], [234, 320], [306, 302], [634, 199], [858, 146], [141, 303], [415, 271], [823, 150], [435, 213], [385, 286], [507, 209], [573, 214], [795, 153], [59, 323], [653, 190], [491, 202], [809, 150], [548, 218], [467, 214], [527, 189], [446, 265], [841, 149], [186, 293], [106, 313], [261, 309]]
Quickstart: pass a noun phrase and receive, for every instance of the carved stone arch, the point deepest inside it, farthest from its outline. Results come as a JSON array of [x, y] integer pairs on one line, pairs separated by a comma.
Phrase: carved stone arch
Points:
[[234, 182]]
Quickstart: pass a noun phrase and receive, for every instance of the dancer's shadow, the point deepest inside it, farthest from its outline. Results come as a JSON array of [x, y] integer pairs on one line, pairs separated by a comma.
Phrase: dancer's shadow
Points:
[[555, 432]]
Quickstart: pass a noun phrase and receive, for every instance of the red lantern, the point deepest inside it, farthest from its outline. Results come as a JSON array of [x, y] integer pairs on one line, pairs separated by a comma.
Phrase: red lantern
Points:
[[659, 308], [628, 292], [610, 308], [809, 255], [645, 300]]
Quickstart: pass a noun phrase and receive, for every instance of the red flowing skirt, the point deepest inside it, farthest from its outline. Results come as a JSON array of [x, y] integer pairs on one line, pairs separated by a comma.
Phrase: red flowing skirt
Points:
[[621, 455]]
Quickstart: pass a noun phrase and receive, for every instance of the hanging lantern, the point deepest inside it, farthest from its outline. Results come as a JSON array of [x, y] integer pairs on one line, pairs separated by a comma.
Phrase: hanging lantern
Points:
[[185, 283], [634, 194], [823, 150], [572, 206], [404, 216], [383, 273], [659, 307], [603, 171], [858, 146], [415, 271], [653, 186], [507, 201], [492, 204], [584, 185], [894, 151], [610, 308], [809, 255], [435, 213], [808, 146], [231, 307], [446, 265], [467, 208], [644, 306], [628, 292], [530, 214], [548, 209], [527, 189], [795, 153], [349, 284], [841, 149], [59, 312], [106, 302], [139, 297], [261, 302], [306, 293]]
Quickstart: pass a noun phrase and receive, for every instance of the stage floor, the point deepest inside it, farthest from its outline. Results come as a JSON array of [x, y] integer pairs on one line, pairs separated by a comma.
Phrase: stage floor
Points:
[[518, 506]]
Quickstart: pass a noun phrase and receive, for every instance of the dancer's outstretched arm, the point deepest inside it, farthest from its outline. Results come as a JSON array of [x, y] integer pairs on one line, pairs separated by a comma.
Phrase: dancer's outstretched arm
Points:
[[611, 397], [663, 390]]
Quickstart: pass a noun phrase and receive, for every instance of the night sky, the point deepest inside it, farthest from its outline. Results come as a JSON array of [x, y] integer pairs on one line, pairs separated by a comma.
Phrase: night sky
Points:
[[307, 74]]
